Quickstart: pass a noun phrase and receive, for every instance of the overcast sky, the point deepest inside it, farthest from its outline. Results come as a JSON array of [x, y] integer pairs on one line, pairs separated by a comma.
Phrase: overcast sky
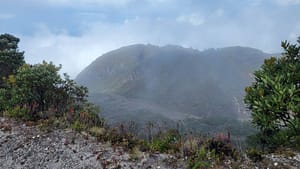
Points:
[[75, 32]]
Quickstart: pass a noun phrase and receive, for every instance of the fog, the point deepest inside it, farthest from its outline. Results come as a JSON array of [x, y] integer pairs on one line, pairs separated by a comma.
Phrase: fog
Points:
[[74, 33]]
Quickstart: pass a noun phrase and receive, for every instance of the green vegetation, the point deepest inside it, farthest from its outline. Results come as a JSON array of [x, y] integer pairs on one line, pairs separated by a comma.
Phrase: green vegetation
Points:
[[38, 92], [10, 57], [168, 141], [39, 95], [202, 159], [274, 99], [254, 154], [146, 82], [210, 152]]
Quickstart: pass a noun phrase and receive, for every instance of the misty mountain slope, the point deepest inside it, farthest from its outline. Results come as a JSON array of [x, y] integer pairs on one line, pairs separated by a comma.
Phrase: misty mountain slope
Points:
[[171, 79], [117, 108]]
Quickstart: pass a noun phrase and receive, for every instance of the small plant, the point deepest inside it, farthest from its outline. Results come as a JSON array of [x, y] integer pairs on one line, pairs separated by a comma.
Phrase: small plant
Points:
[[168, 141], [46, 125], [97, 131], [202, 159], [144, 145], [221, 148], [77, 126], [135, 153], [254, 154], [17, 112], [297, 142], [210, 152], [200, 165]]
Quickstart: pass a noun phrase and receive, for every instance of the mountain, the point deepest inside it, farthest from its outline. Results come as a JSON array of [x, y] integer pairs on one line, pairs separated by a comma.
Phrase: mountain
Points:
[[171, 83]]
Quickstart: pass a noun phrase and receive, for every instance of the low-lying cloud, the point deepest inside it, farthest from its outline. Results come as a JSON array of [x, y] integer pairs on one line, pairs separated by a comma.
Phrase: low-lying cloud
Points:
[[81, 30]]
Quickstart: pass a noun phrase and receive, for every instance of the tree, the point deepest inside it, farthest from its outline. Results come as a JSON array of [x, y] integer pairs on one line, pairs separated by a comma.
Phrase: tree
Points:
[[10, 57], [34, 92], [40, 92], [274, 96], [36, 85]]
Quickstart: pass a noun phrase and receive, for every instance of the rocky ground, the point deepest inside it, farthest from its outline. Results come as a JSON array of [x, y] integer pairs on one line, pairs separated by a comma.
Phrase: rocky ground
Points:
[[23, 146], [26, 146]]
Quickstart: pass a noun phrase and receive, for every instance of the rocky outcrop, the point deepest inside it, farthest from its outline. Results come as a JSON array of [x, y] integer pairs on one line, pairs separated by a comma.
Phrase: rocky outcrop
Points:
[[25, 146]]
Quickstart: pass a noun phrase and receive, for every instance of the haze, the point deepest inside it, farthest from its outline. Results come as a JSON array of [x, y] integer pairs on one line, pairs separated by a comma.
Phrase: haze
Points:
[[75, 32]]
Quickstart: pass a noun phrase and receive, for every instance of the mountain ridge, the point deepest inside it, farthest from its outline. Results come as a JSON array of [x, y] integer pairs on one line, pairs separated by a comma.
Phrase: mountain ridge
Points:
[[177, 79], [168, 46]]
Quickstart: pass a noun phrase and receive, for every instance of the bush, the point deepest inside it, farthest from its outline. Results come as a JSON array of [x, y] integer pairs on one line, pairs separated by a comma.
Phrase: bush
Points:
[[274, 97], [49, 124], [254, 154], [135, 153], [17, 112], [97, 131], [296, 141], [221, 149], [77, 126], [168, 141], [44, 93], [210, 153], [202, 159], [276, 140], [37, 92]]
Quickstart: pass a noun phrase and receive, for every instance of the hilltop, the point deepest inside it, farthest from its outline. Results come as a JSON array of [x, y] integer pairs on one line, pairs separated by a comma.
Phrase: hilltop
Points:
[[171, 83]]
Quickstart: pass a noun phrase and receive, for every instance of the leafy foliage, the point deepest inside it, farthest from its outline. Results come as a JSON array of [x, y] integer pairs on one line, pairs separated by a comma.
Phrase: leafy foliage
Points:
[[210, 153], [169, 141], [274, 97], [201, 159], [254, 154], [17, 112], [10, 57], [38, 92]]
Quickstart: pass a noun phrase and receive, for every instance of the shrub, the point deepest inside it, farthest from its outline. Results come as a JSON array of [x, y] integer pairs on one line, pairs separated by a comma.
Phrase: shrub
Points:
[[254, 154], [77, 126], [202, 159], [274, 97], [221, 149], [17, 112], [44, 94], [210, 152], [135, 153], [97, 131], [168, 141], [51, 123]]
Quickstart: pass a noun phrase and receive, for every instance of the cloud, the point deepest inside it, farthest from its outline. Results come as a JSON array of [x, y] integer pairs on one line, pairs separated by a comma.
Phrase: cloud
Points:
[[74, 37], [73, 52], [76, 52], [288, 2], [6, 16], [99, 3], [89, 2], [294, 34], [218, 13], [194, 19], [97, 38]]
